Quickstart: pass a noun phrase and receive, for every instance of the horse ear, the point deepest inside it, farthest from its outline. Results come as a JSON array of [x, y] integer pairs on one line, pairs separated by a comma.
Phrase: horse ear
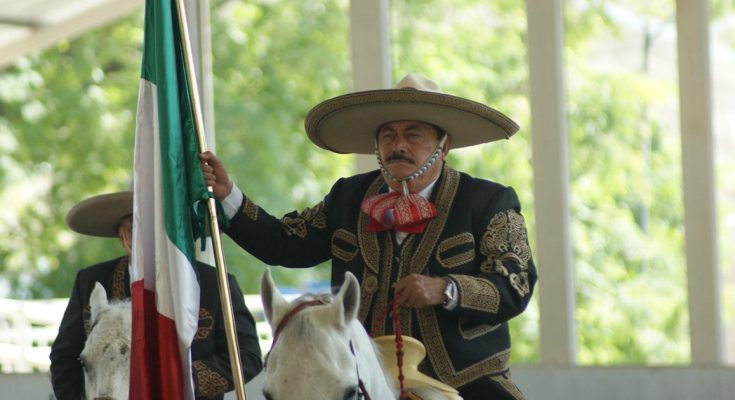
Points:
[[97, 300], [349, 297], [270, 296]]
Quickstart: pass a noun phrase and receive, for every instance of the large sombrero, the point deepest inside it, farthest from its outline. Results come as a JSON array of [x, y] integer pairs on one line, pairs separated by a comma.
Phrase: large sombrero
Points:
[[100, 215], [348, 123]]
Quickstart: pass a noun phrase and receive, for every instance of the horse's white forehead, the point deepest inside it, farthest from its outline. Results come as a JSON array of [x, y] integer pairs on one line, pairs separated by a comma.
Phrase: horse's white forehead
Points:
[[311, 359], [106, 349], [312, 337], [110, 337]]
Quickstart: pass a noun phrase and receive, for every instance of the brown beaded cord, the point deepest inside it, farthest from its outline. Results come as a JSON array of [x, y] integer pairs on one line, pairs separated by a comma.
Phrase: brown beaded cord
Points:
[[394, 304]]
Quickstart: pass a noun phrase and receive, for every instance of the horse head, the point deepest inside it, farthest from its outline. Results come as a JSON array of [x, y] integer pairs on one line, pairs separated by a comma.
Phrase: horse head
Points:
[[320, 352], [106, 354]]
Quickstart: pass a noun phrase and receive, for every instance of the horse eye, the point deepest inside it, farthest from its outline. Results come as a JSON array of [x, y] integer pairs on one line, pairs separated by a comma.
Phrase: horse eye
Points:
[[267, 396], [351, 393]]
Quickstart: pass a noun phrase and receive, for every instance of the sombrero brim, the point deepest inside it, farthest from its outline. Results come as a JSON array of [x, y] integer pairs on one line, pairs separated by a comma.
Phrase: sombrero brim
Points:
[[348, 123], [414, 353], [100, 215]]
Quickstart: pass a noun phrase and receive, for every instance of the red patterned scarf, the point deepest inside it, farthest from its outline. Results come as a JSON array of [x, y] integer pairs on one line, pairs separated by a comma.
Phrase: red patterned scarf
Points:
[[405, 213]]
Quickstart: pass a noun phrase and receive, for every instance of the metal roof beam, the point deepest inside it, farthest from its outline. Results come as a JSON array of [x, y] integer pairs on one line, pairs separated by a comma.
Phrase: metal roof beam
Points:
[[32, 23], [27, 39]]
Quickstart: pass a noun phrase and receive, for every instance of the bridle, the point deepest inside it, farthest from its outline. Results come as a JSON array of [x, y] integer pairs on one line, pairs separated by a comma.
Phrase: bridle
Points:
[[289, 316]]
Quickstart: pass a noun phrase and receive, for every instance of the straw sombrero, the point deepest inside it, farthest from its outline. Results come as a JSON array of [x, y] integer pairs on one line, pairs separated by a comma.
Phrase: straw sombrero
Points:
[[414, 353], [348, 123], [100, 215]]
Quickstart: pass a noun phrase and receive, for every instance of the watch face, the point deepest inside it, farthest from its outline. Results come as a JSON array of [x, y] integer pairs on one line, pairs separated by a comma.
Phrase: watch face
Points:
[[449, 292]]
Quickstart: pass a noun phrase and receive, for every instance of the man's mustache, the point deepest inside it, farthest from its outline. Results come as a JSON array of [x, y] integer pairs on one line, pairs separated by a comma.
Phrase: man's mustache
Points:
[[400, 157]]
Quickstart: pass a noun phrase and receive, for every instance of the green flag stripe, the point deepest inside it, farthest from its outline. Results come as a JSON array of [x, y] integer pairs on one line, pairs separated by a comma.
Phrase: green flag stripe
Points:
[[182, 178]]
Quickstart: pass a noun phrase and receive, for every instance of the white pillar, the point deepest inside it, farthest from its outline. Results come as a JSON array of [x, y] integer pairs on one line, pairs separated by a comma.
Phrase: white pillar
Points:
[[371, 66], [197, 16], [698, 174], [551, 182]]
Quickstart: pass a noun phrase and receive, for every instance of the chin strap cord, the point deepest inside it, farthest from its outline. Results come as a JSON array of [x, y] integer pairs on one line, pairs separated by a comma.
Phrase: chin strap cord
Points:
[[419, 171]]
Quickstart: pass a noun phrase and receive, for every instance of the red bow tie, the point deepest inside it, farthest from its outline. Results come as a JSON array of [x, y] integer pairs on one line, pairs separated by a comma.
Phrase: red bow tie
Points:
[[410, 213]]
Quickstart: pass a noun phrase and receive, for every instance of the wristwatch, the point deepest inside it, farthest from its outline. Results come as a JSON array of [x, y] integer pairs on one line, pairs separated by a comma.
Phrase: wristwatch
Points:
[[449, 291]]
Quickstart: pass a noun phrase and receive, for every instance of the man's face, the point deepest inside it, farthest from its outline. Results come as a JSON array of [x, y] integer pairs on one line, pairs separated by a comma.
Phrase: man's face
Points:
[[125, 233], [405, 145]]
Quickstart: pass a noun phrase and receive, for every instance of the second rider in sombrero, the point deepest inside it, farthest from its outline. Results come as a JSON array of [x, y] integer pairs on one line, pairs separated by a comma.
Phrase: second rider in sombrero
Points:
[[455, 247]]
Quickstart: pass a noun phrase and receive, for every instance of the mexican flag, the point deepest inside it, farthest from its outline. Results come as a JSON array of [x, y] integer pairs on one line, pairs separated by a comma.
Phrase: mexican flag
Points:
[[167, 182]]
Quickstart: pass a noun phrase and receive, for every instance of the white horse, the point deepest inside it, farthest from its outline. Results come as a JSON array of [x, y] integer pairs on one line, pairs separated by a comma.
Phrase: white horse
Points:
[[321, 351], [106, 354]]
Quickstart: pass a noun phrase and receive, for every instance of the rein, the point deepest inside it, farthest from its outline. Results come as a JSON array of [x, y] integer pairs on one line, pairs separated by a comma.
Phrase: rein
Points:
[[399, 340]]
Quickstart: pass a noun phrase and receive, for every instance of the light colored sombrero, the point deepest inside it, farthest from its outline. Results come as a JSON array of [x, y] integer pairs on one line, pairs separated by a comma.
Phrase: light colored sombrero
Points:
[[413, 353], [100, 215], [348, 123]]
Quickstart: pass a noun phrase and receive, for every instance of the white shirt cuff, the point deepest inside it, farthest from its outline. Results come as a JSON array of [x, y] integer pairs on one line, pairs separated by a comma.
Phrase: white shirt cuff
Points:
[[232, 202]]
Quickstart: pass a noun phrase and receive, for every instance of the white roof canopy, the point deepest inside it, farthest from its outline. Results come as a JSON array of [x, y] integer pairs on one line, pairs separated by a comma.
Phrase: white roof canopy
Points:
[[31, 25]]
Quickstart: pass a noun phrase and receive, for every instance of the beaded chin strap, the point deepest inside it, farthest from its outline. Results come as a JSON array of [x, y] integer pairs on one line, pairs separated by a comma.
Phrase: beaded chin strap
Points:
[[402, 211], [419, 171]]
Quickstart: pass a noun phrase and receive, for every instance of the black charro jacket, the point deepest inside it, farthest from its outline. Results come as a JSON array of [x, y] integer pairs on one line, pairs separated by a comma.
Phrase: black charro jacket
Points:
[[478, 239], [210, 357]]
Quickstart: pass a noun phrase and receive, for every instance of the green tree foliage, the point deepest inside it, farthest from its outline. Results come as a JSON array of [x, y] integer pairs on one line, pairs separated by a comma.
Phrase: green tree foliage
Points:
[[66, 132], [628, 241], [625, 168], [273, 61]]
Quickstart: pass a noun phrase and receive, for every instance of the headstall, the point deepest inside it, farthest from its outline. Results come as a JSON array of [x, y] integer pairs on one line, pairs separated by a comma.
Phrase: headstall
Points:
[[289, 316]]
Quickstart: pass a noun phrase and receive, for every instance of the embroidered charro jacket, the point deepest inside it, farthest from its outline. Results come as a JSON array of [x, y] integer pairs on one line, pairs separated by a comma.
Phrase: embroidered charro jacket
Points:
[[478, 239], [210, 357]]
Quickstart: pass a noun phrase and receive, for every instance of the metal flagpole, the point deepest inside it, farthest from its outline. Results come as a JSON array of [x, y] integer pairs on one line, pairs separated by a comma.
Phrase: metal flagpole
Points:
[[224, 288]]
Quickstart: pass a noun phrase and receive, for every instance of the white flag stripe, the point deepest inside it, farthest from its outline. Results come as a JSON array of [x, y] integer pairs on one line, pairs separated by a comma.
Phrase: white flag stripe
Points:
[[164, 269], [144, 182]]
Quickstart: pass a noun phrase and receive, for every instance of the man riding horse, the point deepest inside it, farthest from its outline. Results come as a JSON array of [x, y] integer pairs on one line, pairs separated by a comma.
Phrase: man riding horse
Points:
[[452, 248], [109, 216]]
